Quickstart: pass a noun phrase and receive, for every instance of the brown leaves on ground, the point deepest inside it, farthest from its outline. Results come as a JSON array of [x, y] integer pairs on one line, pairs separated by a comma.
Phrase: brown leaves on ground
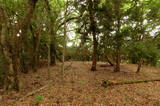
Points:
[[82, 87]]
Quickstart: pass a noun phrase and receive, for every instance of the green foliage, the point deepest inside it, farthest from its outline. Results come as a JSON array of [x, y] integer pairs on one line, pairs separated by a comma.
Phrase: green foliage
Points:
[[118, 24], [79, 53], [148, 52], [38, 98], [153, 54], [24, 60], [43, 47], [137, 51], [154, 10]]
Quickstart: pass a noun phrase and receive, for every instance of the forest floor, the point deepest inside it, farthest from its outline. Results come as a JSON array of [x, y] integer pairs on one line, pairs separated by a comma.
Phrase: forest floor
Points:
[[82, 87]]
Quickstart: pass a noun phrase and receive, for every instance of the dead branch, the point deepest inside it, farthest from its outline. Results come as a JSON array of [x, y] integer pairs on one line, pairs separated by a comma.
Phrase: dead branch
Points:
[[112, 83], [34, 92]]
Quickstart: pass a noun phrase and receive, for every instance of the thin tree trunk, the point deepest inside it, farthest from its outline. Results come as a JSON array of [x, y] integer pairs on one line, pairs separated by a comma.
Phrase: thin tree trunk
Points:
[[139, 65], [52, 39], [15, 74], [15, 59], [118, 36], [109, 61], [117, 65], [94, 58], [36, 41], [49, 56], [93, 29], [53, 53], [64, 43], [51, 46], [118, 47]]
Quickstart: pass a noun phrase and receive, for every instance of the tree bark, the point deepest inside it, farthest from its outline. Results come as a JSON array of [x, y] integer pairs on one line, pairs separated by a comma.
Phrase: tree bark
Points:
[[53, 53], [52, 38], [64, 42], [93, 30], [118, 37], [109, 61], [118, 59], [23, 25], [35, 54], [11, 78], [15, 74], [11, 45], [139, 65], [94, 57]]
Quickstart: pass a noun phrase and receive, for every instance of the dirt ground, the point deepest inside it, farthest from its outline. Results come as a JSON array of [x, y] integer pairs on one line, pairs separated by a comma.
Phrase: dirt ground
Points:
[[81, 87]]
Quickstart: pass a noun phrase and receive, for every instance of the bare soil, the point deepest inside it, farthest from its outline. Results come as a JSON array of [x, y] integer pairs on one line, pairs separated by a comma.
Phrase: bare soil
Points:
[[81, 87]]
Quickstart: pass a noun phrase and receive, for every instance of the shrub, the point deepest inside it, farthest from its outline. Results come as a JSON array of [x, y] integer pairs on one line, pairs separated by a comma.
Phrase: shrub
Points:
[[148, 52]]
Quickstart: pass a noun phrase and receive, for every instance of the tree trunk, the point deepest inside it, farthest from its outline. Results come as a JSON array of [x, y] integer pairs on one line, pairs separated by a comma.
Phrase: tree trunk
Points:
[[49, 57], [139, 65], [11, 78], [11, 46], [53, 53], [11, 81], [94, 58], [93, 29], [35, 55], [15, 74], [118, 60], [23, 25], [64, 42], [52, 38], [118, 37], [109, 61]]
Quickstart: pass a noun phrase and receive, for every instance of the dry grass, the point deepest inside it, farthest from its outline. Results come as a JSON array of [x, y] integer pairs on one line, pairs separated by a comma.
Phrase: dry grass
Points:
[[82, 87]]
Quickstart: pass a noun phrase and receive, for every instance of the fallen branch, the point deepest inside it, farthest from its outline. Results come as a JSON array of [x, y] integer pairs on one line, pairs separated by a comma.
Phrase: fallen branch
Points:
[[112, 83], [34, 92]]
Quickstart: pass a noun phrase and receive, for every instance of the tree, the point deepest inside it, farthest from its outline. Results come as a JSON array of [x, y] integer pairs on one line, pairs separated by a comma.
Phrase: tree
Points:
[[88, 25]]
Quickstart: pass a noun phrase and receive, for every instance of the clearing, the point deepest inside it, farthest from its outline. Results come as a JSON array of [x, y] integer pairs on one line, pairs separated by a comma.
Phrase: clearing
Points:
[[82, 87]]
